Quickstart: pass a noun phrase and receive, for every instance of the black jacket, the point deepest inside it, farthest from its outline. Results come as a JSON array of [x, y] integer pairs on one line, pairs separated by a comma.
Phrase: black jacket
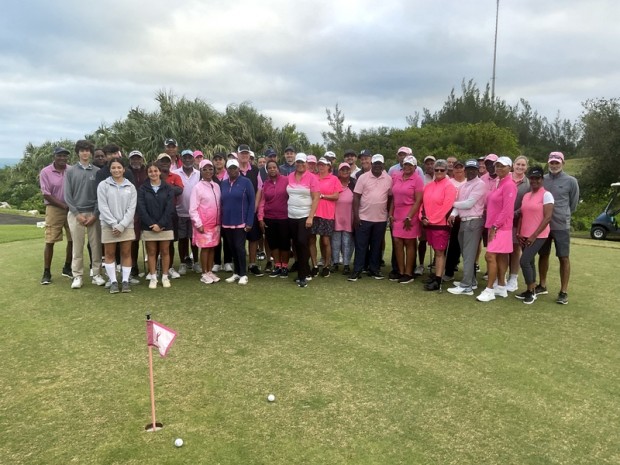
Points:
[[155, 207]]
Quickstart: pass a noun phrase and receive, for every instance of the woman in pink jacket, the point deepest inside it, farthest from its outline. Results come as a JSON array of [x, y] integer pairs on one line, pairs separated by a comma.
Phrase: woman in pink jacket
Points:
[[500, 214], [204, 211], [437, 200]]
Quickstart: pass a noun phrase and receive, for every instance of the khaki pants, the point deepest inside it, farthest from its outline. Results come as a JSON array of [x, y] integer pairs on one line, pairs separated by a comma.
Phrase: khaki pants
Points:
[[78, 233]]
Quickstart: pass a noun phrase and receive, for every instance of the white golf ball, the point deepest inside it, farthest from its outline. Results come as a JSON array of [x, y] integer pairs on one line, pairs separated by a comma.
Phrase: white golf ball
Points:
[[178, 442], [271, 397]]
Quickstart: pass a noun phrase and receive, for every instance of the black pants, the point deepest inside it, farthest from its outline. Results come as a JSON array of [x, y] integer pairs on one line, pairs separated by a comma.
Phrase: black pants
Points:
[[453, 254], [236, 238], [299, 235]]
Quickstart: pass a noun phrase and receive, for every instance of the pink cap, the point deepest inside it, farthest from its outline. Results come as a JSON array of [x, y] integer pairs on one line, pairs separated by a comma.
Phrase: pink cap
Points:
[[491, 156], [204, 162], [198, 153], [556, 156], [343, 165], [310, 159], [406, 150]]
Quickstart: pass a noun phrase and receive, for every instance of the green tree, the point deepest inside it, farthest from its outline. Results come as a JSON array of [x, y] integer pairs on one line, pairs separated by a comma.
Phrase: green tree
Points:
[[341, 137]]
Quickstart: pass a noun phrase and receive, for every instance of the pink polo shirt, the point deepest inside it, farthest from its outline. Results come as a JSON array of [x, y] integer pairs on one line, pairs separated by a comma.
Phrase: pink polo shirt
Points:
[[437, 201], [532, 212], [344, 211], [328, 185], [375, 192], [52, 182]]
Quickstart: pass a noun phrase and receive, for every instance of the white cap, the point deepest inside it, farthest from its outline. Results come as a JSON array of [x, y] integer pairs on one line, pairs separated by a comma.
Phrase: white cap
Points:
[[410, 159], [329, 155], [377, 157], [503, 161], [232, 162], [301, 157], [325, 161]]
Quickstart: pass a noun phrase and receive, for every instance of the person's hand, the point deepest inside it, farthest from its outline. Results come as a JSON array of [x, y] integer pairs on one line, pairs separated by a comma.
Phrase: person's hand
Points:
[[262, 226], [155, 228], [492, 232], [425, 222], [407, 224], [309, 221], [115, 232], [90, 220], [451, 220], [247, 229], [201, 229]]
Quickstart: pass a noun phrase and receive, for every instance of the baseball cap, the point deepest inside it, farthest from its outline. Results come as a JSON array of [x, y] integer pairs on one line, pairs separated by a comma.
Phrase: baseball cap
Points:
[[535, 172], [187, 152], [252, 154], [504, 161], [329, 155], [243, 148], [556, 156], [204, 163], [198, 153], [301, 157], [350, 152], [458, 163], [163, 155], [232, 162], [310, 159], [365, 153], [491, 156], [218, 155], [406, 150], [344, 165], [135, 153], [59, 150], [232, 155], [377, 158], [325, 161], [471, 163], [289, 149], [171, 142], [410, 160], [429, 157], [270, 153]]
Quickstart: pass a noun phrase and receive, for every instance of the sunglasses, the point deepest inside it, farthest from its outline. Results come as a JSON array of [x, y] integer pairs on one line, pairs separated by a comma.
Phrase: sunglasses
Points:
[[439, 170]]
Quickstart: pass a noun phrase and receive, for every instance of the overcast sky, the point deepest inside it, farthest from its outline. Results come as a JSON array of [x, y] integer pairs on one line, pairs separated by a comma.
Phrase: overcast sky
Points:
[[68, 66]]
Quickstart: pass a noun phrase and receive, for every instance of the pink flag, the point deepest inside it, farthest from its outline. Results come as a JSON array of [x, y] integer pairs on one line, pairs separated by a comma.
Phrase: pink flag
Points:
[[159, 336]]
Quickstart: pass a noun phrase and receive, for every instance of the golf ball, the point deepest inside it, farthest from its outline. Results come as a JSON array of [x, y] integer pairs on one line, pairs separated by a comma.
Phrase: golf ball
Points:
[[178, 442], [271, 397]]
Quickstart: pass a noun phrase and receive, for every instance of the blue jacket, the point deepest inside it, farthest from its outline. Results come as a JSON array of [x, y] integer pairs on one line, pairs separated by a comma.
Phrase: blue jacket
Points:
[[237, 202], [155, 207]]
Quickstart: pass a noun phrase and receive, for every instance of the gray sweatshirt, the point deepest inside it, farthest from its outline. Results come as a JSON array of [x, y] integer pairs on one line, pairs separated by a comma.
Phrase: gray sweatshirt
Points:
[[117, 204], [81, 188], [565, 190]]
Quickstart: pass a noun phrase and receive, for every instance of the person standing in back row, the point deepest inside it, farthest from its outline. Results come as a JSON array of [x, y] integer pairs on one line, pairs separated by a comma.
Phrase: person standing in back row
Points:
[[565, 191]]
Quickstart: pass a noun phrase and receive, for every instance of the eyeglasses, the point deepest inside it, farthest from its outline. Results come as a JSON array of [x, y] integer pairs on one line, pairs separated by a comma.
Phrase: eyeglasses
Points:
[[439, 170]]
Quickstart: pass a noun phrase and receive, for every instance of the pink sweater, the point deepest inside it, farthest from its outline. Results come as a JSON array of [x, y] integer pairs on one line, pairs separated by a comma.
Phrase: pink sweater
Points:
[[204, 203], [501, 205], [437, 201]]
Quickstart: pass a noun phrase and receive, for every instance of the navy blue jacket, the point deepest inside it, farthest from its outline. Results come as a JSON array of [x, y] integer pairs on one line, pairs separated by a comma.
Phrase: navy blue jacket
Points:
[[237, 202], [155, 207]]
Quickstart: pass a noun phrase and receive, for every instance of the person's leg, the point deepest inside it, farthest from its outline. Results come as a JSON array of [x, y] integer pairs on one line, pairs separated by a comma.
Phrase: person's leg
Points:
[[126, 260], [502, 267], [410, 251], [326, 250], [543, 260], [94, 237], [422, 251], [453, 253], [109, 251], [204, 259], [210, 258], [68, 254], [377, 240], [398, 252], [491, 259], [528, 263], [183, 247], [336, 246], [564, 273], [440, 262], [152, 248], [78, 233], [469, 237], [312, 250], [362, 238], [164, 251], [348, 246], [48, 254]]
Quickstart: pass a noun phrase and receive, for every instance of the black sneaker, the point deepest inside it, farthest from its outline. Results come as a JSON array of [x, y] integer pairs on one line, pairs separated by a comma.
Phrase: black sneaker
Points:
[[432, 286], [539, 290], [261, 255], [284, 273], [334, 268], [521, 296], [346, 270], [405, 279], [302, 283], [47, 278], [275, 272], [125, 287], [376, 274], [315, 271], [66, 272], [325, 272], [294, 267], [430, 280], [269, 266], [394, 276], [114, 288], [354, 276], [562, 298], [477, 268], [529, 298], [255, 270]]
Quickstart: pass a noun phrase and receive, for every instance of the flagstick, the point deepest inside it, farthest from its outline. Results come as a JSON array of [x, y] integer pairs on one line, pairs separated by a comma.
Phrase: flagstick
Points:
[[152, 387]]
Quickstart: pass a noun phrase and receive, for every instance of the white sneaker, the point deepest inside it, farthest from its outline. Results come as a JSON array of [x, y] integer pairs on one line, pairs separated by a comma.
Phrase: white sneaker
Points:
[[512, 285], [233, 278], [182, 269], [91, 273], [133, 280], [108, 284], [216, 268], [98, 280], [419, 270], [228, 267], [486, 296], [458, 290], [243, 280], [213, 277], [205, 278], [76, 283], [150, 276], [197, 268], [165, 281], [500, 291], [153, 283], [321, 263], [473, 287], [172, 273]]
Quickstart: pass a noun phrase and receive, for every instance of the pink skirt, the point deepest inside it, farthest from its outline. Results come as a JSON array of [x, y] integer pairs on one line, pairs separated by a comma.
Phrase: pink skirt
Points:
[[210, 237], [398, 226], [502, 242]]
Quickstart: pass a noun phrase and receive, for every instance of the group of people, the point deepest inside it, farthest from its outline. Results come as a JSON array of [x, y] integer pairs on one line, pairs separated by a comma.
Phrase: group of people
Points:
[[212, 207]]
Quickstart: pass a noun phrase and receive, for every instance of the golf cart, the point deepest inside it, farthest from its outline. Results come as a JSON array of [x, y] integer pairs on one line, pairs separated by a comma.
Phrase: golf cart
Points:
[[606, 223]]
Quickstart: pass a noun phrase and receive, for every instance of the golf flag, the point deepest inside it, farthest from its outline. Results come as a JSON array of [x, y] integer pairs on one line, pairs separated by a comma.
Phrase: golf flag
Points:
[[159, 336]]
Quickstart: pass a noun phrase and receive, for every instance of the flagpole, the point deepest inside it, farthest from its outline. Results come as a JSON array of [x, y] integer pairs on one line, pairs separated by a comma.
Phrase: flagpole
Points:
[[154, 423]]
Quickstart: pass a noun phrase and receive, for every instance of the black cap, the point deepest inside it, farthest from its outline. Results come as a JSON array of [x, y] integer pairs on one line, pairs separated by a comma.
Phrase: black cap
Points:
[[243, 148], [219, 155], [59, 150], [535, 172], [458, 163], [270, 153], [365, 153], [350, 152], [290, 148], [171, 142]]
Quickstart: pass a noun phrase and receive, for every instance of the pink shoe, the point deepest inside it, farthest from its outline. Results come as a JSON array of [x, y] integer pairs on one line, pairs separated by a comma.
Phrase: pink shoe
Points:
[[213, 276], [206, 278]]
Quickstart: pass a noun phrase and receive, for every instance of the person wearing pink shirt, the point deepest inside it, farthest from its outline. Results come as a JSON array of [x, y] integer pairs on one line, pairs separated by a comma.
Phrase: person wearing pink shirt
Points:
[[273, 218], [324, 219], [407, 190], [204, 212], [533, 229], [500, 214], [437, 202], [342, 238]]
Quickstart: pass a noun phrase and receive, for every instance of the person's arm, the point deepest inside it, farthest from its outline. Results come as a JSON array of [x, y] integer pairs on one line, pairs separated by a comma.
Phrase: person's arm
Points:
[[574, 196], [194, 203], [315, 202], [251, 199], [260, 207], [105, 214], [143, 213], [356, 209], [130, 212], [69, 200], [166, 217], [415, 208], [547, 214], [509, 193], [44, 182]]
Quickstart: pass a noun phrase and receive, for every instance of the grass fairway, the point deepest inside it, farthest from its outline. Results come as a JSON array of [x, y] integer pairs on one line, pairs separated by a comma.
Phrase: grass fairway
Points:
[[364, 373]]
